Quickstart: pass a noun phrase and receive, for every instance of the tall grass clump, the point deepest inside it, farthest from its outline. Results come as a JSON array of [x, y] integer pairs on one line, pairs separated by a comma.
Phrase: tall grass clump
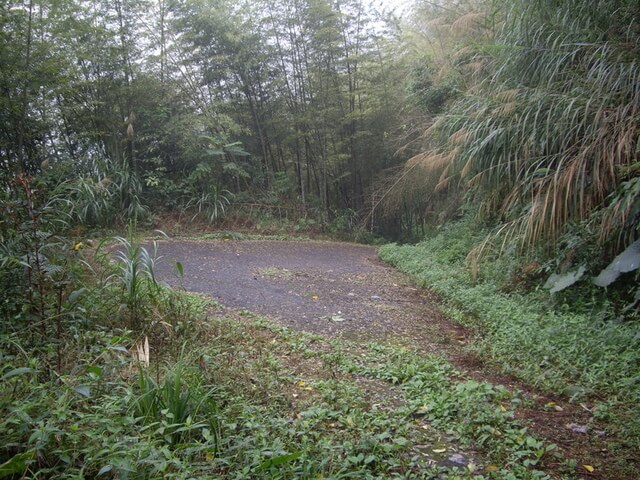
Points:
[[108, 193], [545, 133], [69, 405], [557, 127], [135, 274], [38, 266]]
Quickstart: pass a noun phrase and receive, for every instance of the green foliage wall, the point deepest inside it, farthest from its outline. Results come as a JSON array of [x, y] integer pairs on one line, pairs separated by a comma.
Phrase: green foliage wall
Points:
[[155, 91], [541, 134]]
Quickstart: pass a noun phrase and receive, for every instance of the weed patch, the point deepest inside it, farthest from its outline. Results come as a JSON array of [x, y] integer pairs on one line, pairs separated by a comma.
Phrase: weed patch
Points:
[[574, 354], [239, 404]]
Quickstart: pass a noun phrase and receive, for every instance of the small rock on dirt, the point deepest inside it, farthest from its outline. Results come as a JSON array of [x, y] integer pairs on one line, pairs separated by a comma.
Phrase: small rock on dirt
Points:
[[457, 460], [574, 427]]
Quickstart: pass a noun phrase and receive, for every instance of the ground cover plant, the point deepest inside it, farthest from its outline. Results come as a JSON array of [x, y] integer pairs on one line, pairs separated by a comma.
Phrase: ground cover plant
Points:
[[126, 378], [238, 407], [580, 354]]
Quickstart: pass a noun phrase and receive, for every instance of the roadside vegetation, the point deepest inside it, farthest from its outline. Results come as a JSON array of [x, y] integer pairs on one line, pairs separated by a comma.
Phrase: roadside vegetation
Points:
[[134, 380], [521, 197], [107, 372], [539, 337]]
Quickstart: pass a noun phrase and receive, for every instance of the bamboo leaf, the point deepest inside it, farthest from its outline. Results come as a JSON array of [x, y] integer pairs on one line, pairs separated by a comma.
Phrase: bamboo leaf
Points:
[[16, 372], [105, 469], [180, 269], [83, 390], [279, 460], [16, 464], [76, 294]]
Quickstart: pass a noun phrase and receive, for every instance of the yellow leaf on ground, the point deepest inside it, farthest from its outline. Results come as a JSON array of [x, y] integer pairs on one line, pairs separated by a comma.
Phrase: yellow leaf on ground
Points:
[[491, 468], [588, 468]]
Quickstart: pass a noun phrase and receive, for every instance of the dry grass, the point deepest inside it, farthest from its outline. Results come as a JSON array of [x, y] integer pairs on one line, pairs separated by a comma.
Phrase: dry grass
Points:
[[548, 128]]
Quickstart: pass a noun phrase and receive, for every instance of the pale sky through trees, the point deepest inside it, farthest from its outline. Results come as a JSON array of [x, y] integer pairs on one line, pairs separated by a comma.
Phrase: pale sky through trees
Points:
[[399, 6]]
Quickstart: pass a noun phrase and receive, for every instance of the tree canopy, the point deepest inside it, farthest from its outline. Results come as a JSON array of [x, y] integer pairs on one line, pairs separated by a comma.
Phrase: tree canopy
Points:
[[520, 113]]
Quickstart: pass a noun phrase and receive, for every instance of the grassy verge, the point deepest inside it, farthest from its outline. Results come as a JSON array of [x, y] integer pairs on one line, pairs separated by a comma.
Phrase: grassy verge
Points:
[[244, 398], [575, 354], [233, 235], [341, 226]]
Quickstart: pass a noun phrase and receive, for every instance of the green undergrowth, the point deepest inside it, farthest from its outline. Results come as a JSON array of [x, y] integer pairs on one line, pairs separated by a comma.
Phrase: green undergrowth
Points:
[[581, 355], [241, 397], [343, 225], [243, 235], [235, 235], [477, 415]]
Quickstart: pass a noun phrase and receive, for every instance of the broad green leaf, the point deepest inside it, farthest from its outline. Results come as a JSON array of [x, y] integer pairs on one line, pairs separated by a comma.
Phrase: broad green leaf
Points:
[[17, 371], [558, 282], [180, 269], [73, 296], [280, 460], [370, 459], [97, 371], [627, 261], [606, 277], [16, 464], [105, 469]]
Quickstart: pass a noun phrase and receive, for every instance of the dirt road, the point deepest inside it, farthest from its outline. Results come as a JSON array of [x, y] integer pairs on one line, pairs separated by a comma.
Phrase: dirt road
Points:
[[338, 289]]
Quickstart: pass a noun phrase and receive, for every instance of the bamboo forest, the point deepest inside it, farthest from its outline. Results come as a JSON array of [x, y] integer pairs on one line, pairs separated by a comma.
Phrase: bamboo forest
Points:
[[320, 239]]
